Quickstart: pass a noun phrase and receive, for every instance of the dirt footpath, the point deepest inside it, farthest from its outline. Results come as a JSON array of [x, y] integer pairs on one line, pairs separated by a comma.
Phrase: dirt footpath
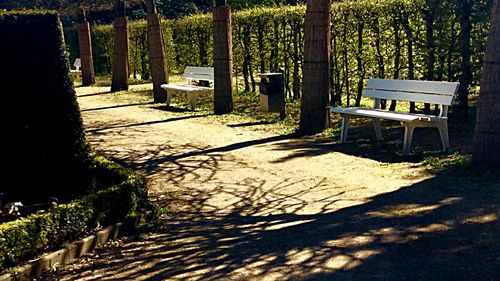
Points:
[[249, 205]]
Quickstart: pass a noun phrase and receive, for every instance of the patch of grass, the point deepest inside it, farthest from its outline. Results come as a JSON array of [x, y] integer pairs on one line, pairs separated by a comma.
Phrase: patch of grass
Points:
[[443, 161]]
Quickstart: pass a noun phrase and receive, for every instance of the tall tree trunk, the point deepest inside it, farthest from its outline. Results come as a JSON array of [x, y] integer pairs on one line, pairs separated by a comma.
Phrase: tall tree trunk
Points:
[[316, 82], [120, 50], [223, 59], [464, 12], [487, 133], [159, 71], [85, 44]]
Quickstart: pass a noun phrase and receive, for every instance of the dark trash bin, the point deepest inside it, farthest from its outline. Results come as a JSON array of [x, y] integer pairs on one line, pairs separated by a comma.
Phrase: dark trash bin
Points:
[[272, 92]]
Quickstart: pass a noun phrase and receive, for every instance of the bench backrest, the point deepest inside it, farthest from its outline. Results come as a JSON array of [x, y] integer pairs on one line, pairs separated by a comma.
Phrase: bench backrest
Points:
[[199, 73], [434, 92], [77, 64]]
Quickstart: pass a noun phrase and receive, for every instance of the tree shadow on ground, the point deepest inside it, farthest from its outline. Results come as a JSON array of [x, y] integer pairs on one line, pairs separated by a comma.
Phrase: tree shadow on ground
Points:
[[256, 123], [170, 108], [115, 106], [444, 228], [362, 143], [122, 124], [104, 92]]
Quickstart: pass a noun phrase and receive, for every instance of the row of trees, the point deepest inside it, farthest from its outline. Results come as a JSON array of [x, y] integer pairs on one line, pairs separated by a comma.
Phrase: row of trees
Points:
[[387, 39]]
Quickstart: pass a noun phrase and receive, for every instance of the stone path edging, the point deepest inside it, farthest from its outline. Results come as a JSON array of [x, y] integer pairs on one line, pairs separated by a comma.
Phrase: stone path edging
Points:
[[72, 251]]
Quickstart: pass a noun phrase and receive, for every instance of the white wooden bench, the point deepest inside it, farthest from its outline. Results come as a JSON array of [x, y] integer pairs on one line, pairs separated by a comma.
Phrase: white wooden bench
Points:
[[192, 73], [77, 71], [439, 93]]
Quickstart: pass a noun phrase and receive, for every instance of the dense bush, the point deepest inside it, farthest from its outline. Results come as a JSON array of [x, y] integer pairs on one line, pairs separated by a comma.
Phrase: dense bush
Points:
[[124, 195], [43, 147]]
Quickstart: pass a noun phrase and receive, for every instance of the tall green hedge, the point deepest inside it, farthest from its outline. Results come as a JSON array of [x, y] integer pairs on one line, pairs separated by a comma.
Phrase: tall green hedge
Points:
[[43, 147], [370, 38]]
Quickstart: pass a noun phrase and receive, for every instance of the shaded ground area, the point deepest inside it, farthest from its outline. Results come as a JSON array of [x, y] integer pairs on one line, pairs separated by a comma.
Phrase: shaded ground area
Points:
[[243, 204]]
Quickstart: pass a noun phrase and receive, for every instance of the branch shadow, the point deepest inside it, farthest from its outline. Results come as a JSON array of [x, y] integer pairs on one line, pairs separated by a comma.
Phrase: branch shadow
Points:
[[444, 228], [362, 144]]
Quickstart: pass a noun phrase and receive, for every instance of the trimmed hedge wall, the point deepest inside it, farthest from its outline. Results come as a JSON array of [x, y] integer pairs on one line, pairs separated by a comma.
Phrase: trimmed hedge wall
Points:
[[382, 38], [125, 195], [43, 147]]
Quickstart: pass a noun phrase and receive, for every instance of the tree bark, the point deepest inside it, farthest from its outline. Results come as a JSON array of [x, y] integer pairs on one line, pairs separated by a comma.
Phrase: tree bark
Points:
[[316, 82], [85, 44], [487, 133], [120, 71], [223, 60], [159, 71]]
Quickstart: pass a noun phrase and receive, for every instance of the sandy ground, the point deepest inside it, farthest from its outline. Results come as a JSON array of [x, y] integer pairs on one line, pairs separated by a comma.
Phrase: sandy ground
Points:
[[242, 204]]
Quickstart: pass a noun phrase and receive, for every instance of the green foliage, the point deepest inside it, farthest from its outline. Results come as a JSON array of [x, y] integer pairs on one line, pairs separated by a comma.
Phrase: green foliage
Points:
[[446, 161], [392, 32], [43, 150], [125, 195]]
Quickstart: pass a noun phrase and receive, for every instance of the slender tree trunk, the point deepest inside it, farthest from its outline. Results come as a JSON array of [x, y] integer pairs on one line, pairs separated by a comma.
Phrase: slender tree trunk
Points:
[[430, 45], [411, 64], [245, 34], [223, 60], [85, 44], [359, 61], [316, 82], [120, 50], [286, 56], [273, 59], [487, 133], [397, 56], [260, 40], [295, 75], [159, 71], [346, 60], [464, 11]]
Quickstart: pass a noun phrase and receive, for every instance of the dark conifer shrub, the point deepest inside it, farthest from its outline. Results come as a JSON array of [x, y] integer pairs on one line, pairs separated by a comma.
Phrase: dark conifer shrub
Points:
[[42, 145]]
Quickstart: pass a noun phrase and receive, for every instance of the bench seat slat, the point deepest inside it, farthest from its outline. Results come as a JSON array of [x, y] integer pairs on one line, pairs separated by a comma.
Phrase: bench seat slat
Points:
[[199, 70], [408, 96], [187, 88], [383, 114], [416, 86], [198, 77]]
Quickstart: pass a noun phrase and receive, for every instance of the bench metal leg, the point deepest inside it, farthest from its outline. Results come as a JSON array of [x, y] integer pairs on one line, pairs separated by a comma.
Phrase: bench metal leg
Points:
[[443, 132], [409, 128], [169, 97], [378, 128], [192, 98], [344, 129]]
